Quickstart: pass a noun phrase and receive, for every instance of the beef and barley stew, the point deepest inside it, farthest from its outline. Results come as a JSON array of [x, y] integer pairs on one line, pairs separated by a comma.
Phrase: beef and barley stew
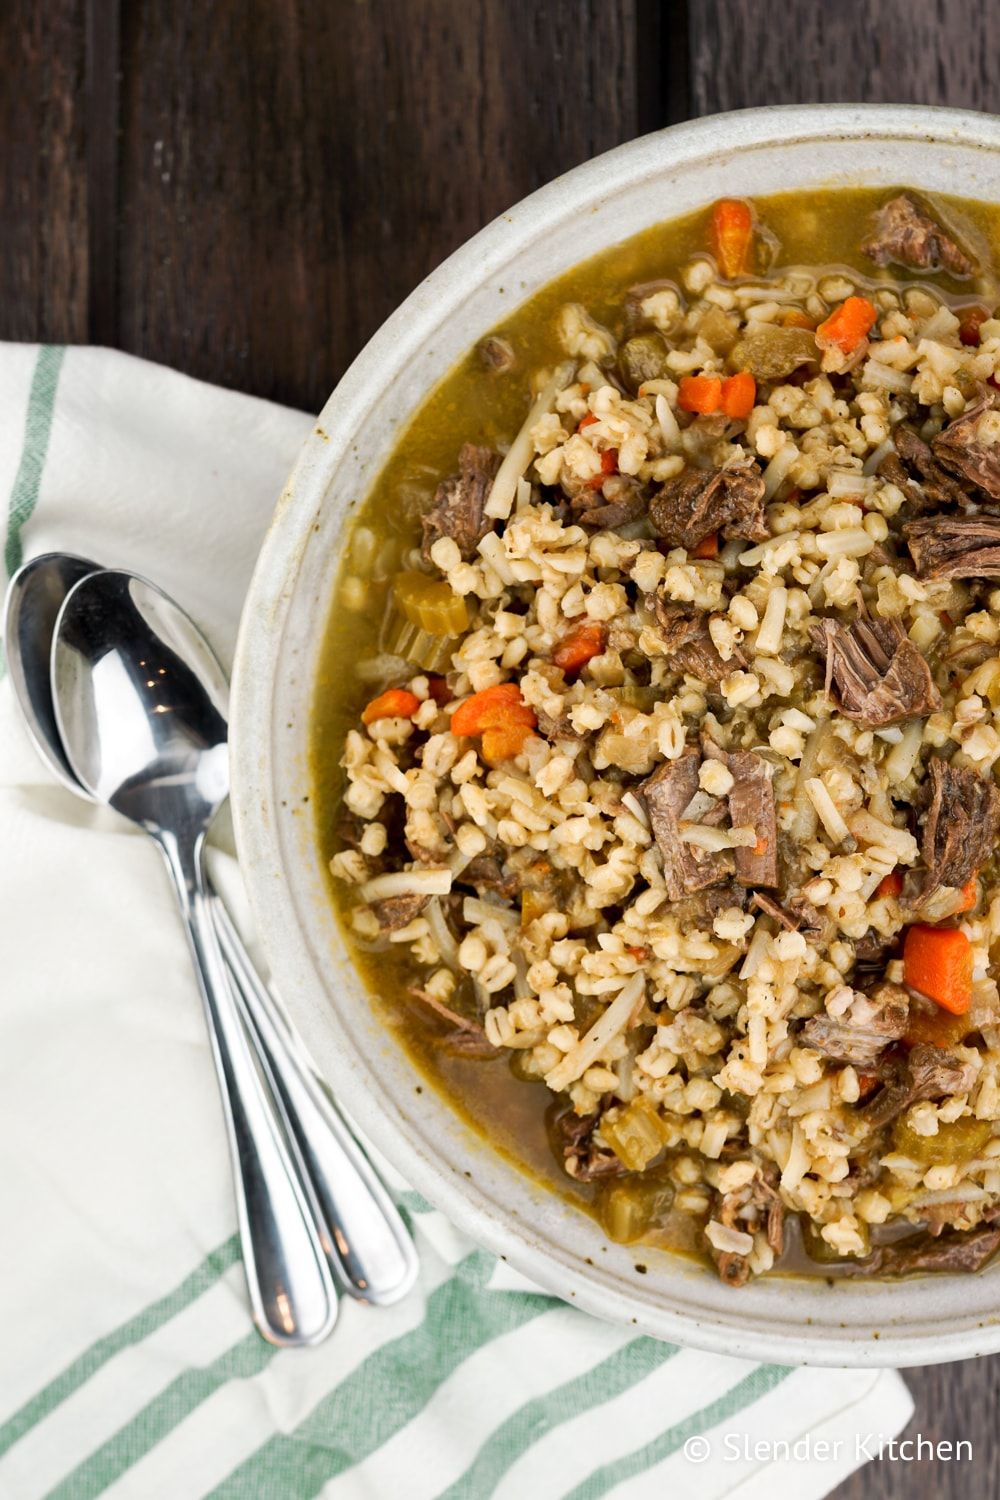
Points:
[[656, 736]]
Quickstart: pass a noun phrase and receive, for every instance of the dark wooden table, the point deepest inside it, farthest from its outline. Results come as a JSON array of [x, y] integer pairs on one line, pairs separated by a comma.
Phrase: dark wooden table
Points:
[[246, 188]]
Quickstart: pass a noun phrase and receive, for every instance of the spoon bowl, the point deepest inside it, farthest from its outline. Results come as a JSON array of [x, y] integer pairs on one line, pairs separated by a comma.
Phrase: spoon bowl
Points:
[[125, 658], [35, 595]]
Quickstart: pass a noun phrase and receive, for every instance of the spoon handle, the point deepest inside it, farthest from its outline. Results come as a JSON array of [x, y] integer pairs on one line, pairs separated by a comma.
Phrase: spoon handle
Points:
[[291, 1289], [368, 1241]]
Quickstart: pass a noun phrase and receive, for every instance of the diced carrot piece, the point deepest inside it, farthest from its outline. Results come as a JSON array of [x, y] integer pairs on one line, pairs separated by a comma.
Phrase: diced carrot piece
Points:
[[707, 547], [397, 703], [586, 421], [889, 885], [700, 393], [468, 716], [731, 235], [794, 317], [500, 715], [609, 465], [937, 962], [968, 896], [847, 325], [503, 743], [739, 392], [576, 649], [970, 320]]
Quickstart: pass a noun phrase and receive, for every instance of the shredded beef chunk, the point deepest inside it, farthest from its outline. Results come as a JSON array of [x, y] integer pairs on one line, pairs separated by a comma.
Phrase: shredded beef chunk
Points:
[[398, 911], [925, 1073], [908, 236], [756, 1206], [572, 1138], [466, 1038], [666, 793], [797, 915], [700, 503], [751, 805], [861, 1035], [486, 873], [872, 948], [878, 675], [935, 1074], [557, 728], [955, 546], [690, 648], [949, 1252], [496, 354], [914, 469], [620, 501], [702, 909], [961, 825], [970, 447], [458, 505]]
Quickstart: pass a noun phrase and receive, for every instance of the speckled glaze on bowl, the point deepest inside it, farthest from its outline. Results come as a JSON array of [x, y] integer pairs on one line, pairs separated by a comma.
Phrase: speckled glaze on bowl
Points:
[[788, 1319]]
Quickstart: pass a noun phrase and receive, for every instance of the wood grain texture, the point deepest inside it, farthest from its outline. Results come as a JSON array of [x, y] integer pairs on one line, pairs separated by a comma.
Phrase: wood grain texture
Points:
[[43, 189], [290, 172], [751, 52]]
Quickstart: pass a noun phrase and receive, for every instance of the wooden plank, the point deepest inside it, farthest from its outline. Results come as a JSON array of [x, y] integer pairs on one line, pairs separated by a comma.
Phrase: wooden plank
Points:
[[290, 173], [102, 121], [747, 52], [43, 190]]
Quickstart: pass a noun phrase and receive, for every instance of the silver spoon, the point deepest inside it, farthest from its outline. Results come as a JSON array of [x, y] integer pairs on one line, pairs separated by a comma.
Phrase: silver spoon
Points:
[[35, 596], [146, 734], [360, 1226]]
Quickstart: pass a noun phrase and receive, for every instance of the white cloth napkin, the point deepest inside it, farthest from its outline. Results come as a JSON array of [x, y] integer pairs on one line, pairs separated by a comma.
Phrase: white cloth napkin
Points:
[[130, 1365]]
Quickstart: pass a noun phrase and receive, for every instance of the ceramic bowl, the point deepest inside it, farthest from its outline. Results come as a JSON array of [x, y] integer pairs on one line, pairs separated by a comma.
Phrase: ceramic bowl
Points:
[[782, 1318]]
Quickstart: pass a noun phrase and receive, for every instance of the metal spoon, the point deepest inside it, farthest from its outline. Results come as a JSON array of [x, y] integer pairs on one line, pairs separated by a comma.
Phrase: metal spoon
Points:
[[146, 735], [361, 1229], [35, 596]]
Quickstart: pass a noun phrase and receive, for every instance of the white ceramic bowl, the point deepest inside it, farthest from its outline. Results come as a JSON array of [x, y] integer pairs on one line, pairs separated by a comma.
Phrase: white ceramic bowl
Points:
[[786, 1319]]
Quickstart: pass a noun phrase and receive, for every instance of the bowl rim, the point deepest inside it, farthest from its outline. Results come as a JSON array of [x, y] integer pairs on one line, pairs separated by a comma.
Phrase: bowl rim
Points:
[[258, 650]]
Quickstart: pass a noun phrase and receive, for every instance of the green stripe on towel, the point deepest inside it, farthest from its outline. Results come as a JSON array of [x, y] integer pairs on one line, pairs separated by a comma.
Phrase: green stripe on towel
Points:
[[543, 1414], [387, 1390], [750, 1389], [214, 1266], [37, 426], [160, 1416]]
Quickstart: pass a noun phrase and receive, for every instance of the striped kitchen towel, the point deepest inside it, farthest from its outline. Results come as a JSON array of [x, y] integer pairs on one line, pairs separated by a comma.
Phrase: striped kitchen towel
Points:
[[130, 1366]]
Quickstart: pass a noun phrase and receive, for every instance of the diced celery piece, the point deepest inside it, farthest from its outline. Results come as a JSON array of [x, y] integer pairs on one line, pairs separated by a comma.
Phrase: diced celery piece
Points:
[[430, 604], [955, 1140], [631, 1208], [637, 1135]]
